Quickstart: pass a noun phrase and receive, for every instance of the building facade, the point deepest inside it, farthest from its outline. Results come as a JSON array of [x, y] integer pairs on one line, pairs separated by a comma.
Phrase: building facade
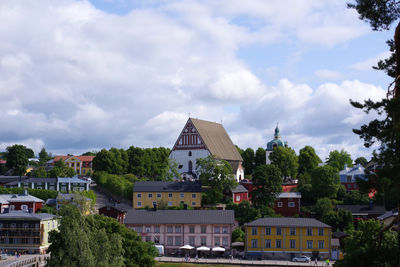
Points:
[[24, 202], [285, 238], [239, 194], [63, 184], [113, 212], [348, 176], [176, 228], [171, 194], [82, 165], [288, 204], [199, 139], [26, 232]]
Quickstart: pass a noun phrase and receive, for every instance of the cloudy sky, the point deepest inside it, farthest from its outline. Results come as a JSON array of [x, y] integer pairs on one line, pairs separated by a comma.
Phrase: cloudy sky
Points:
[[79, 76]]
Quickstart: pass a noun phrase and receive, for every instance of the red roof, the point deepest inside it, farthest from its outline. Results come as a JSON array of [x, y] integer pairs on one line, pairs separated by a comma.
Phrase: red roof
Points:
[[2, 161], [288, 188], [82, 158]]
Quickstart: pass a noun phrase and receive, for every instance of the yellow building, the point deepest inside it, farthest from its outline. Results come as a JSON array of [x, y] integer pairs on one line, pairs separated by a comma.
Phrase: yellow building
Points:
[[171, 194], [82, 165], [285, 238]]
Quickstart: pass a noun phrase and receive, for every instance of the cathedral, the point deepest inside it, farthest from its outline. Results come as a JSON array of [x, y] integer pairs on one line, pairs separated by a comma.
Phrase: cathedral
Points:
[[276, 142]]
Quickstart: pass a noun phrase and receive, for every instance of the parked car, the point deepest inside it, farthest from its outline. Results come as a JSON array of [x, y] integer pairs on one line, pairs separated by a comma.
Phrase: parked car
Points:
[[160, 249], [301, 259]]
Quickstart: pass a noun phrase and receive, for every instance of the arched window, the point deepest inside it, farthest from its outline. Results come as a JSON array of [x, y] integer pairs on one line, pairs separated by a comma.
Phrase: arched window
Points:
[[190, 153], [190, 166]]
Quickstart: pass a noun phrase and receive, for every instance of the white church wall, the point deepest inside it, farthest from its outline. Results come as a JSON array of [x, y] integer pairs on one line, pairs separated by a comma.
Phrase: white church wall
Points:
[[182, 158]]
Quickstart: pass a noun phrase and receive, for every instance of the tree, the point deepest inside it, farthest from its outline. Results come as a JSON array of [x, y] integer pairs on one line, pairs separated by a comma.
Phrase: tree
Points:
[[267, 182], [61, 170], [341, 220], [43, 156], [248, 160], [338, 159], [260, 157], [325, 182], [39, 172], [217, 176], [17, 159], [244, 212], [170, 171], [308, 161], [361, 160], [237, 235], [286, 160], [323, 207]]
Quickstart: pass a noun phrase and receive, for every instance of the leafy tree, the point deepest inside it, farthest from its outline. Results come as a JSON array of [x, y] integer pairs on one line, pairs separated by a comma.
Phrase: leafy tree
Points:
[[170, 171], [308, 161], [238, 235], [260, 157], [89, 153], [307, 194], [43, 156], [61, 170], [29, 153], [217, 176], [355, 197], [338, 159], [17, 159], [244, 212], [325, 182], [39, 172], [286, 160], [362, 248], [267, 182], [361, 160], [248, 160], [340, 220], [323, 207]]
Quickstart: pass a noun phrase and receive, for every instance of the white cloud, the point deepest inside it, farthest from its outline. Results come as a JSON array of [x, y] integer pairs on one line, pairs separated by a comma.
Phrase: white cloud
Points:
[[367, 64], [328, 74]]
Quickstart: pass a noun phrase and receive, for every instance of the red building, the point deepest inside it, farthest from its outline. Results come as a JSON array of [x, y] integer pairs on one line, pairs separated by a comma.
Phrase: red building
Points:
[[24, 202], [114, 212], [239, 194], [288, 204]]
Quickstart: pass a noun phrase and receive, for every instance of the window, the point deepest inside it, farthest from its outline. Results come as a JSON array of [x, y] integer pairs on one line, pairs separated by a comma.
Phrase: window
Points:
[[170, 195], [191, 240], [321, 231], [178, 241], [216, 241], [156, 229], [216, 229], [193, 195], [182, 195], [254, 243], [178, 229], [190, 153], [170, 203], [203, 229], [154, 203], [139, 195], [268, 243], [278, 243], [158, 195], [24, 207], [157, 239], [292, 231], [147, 229], [321, 244], [267, 230], [170, 240], [203, 240], [225, 241], [254, 231], [138, 229], [191, 229], [280, 204], [139, 204], [237, 197], [72, 164], [193, 203], [309, 231], [309, 244], [291, 204], [170, 229], [150, 195], [148, 238], [278, 231], [224, 230], [292, 243]]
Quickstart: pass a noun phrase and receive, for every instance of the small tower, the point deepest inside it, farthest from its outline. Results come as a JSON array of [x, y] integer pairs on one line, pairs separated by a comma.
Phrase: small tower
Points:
[[274, 143]]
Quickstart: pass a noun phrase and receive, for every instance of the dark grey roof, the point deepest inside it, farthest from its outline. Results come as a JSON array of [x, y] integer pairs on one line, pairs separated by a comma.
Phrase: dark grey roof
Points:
[[180, 216], [239, 189], [363, 209], [186, 186], [35, 180], [26, 215], [388, 214], [8, 179], [116, 207], [287, 222]]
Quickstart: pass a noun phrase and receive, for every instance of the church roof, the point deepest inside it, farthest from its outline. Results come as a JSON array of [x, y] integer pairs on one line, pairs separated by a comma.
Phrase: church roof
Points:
[[276, 141], [216, 139]]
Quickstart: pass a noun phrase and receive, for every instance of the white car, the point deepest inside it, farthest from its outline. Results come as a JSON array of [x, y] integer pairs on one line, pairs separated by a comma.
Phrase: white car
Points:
[[301, 259]]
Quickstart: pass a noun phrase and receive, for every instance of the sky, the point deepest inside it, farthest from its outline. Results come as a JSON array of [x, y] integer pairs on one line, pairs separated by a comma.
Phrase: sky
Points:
[[79, 75]]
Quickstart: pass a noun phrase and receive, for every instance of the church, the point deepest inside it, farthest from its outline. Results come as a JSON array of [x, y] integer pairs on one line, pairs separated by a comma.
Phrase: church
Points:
[[276, 142], [199, 139]]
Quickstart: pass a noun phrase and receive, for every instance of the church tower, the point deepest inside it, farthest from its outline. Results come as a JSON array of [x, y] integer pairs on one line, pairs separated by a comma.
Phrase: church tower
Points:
[[276, 142]]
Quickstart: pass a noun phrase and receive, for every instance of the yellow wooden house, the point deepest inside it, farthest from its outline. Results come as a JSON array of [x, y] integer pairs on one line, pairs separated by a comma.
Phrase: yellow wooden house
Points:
[[285, 238], [171, 194]]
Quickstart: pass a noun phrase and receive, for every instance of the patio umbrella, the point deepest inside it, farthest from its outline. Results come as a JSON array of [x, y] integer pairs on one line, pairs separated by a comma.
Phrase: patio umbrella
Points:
[[219, 249], [203, 249], [238, 244], [187, 247]]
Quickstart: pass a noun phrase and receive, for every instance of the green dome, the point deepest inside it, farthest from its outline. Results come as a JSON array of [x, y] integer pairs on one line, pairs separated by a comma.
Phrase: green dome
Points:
[[276, 141]]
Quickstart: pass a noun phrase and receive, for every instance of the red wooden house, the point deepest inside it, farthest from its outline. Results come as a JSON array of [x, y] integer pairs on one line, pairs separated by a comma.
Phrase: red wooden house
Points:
[[288, 204], [23, 202], [239, 194], [114, 212]]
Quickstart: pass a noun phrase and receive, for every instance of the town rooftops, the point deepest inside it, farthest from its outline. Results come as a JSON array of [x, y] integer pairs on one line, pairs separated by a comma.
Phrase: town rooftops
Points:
[[10, 198], [115, 207], [74, 179], [388, 214], [8, 179], [216, 140], [26, 216], [81, 158], [363, 209], [180, 216], [149, 186], [289, 195], [287, 222], [239, 189]]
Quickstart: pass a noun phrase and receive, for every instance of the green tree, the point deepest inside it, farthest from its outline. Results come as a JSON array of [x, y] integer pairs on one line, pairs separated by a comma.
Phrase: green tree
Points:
[[39, 172], [267, 182], [325, 182], [29, 153], [323, 207], [61, 170], [43, 156], [338, 159], [244, 212], [217, 176], [286, 160], [17, 159], [260, 157], [170, 171], [238, 235], [308, 161], [355, 197], [361, 160], [248, 160]]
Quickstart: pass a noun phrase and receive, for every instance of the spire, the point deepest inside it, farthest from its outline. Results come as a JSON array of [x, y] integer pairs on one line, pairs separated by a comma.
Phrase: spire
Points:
[[277, 135]]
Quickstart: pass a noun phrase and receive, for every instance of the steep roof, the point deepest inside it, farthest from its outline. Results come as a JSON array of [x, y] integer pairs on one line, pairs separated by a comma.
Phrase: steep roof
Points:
[[10, 198], [82, 158], [364, 209], [239, 189], [26, 215], [216, 139], [287, 222], [150, 186], [289, 195], [180, 216]]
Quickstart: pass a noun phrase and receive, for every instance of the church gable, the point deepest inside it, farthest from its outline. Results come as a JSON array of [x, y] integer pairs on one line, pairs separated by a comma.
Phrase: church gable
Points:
[[189, 138]]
